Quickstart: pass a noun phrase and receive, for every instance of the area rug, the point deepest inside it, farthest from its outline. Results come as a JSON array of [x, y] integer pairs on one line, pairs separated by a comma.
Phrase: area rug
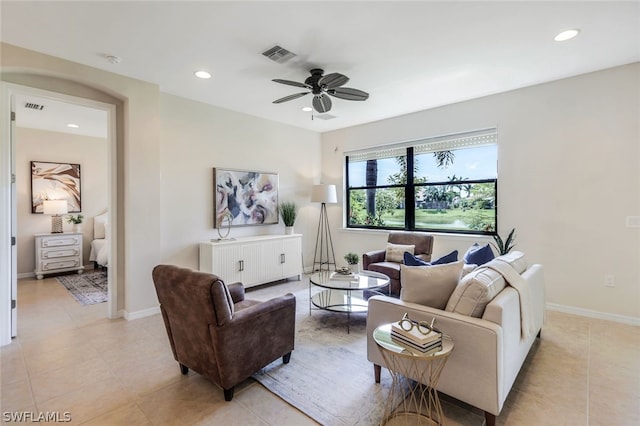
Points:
[[329, 377], [88, 288]]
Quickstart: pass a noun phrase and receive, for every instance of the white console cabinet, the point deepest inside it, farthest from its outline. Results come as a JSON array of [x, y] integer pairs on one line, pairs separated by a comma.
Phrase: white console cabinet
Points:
[[58, 253], [253, 260]]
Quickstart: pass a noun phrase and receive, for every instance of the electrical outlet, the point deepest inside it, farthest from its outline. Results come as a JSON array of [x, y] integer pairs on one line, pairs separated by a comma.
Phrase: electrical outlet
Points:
[[633, 221], [609, 281]]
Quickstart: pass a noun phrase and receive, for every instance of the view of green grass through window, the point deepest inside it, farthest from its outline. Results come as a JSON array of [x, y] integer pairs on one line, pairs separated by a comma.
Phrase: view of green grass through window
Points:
[[413, 188]]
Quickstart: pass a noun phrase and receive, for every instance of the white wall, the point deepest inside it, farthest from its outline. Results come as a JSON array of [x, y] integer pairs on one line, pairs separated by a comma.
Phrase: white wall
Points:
[[569, 175], [196, 138], [41, 145]]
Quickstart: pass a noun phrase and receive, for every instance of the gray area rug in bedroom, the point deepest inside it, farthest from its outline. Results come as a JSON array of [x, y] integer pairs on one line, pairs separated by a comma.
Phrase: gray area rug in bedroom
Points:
[[329, 377], [88, 288]]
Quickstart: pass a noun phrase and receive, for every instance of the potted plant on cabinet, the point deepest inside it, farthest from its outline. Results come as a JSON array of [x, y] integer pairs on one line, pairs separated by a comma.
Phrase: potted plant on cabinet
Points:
[[352, 259], [76, 221], [288, 213]]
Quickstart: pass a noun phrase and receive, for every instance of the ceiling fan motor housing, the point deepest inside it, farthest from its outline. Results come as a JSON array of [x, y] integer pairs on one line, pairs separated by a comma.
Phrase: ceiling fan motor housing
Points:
[[316, 75]]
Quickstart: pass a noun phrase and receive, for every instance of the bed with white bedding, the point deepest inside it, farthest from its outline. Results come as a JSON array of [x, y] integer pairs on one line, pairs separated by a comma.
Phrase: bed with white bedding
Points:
[[100, 245]]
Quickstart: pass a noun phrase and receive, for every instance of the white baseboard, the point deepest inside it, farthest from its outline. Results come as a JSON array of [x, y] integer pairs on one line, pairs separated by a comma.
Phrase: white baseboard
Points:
[[593, 314], [129, 316], [26, 275]]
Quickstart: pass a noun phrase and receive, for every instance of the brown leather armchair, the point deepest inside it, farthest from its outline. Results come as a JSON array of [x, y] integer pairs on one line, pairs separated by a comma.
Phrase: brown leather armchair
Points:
[[376, 261], [218, 333]]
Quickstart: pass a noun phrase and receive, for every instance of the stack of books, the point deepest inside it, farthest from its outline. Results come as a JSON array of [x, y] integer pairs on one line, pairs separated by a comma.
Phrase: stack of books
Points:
[[342, 276], [413, 339]]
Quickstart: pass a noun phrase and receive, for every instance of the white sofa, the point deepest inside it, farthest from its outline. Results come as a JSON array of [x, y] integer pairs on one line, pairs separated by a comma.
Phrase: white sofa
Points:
[[488, 352]]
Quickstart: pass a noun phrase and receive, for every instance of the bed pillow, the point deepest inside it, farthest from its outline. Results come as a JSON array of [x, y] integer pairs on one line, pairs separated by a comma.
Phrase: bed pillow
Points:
[[479, 255], [429, 285], [395, 252], [100, 226]]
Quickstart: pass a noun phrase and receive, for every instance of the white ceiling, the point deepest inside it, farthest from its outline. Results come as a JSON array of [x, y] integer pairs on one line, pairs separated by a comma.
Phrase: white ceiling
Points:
[[409, 56]]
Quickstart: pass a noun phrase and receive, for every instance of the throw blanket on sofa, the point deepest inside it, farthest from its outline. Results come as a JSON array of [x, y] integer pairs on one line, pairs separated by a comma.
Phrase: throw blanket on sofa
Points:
[[515, 280]]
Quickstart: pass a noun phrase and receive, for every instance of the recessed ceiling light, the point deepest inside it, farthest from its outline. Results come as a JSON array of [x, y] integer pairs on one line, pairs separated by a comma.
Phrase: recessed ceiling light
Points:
[[307, 109], [202, 74], [567, 35], [73, 126]]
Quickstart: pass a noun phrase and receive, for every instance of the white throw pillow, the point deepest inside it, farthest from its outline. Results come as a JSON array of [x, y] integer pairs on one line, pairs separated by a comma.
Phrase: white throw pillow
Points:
[[475, 291], [429, 285], [395, 252], [516, 259], [100, 225]]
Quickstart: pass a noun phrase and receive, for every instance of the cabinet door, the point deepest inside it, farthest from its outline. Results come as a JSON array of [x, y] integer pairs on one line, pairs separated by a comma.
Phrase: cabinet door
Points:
[[251, 265], [273, 255], [226, 263], [292, 259]]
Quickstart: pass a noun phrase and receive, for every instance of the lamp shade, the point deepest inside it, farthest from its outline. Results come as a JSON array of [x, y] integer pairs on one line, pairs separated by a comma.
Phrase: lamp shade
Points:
[[55, 207], [324, 194]]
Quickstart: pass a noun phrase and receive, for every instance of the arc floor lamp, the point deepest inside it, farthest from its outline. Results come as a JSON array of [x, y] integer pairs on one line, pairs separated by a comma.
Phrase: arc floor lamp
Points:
[[324, 257]]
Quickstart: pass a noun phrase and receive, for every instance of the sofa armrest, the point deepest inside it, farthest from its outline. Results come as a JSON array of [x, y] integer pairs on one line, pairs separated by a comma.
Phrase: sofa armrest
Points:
[[237, 292], [473, 372], [253, 338], [373, 257]]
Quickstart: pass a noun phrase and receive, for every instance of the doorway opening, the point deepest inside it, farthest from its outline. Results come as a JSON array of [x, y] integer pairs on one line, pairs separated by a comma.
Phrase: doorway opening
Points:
[[40, 132]]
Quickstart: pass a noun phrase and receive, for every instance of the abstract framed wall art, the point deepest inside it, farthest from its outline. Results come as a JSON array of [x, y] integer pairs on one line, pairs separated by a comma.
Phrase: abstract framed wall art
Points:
[[245, 197], [55, 181]]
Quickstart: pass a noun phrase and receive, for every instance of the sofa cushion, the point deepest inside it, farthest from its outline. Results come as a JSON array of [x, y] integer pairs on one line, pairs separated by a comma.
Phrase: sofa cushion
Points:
[[395, 252], [475, 291], [447, 258], [516, 259], [429, 285], [411, 260], [478, 254]]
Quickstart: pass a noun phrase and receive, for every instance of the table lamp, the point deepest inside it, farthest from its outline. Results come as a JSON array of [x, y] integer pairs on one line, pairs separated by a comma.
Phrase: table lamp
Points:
[[55, 208]]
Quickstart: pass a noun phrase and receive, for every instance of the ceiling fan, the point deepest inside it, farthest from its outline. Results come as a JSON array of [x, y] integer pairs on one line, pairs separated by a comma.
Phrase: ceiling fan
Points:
[[321, 86]]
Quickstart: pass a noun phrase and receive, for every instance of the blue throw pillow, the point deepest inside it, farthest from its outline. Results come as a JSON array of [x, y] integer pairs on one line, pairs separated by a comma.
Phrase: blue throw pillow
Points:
[[478, 255], [447, 258], [411, 260]]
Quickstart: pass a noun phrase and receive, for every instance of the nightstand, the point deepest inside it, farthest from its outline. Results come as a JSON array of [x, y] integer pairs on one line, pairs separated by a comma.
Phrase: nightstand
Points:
[[58, 253]]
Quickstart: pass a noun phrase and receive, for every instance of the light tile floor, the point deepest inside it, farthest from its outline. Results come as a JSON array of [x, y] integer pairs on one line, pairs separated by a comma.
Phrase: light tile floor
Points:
[[70, 358]]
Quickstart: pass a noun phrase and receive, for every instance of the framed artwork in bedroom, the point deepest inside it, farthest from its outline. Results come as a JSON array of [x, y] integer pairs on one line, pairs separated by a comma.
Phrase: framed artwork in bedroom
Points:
[[245, 197], [55, 181]]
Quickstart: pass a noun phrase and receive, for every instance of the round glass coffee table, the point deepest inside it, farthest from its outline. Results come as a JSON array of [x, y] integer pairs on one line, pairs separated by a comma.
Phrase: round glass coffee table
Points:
[[344, 294]]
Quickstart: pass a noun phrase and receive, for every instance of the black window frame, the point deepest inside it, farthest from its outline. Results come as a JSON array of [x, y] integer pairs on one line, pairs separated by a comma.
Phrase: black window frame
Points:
[[410, 202]]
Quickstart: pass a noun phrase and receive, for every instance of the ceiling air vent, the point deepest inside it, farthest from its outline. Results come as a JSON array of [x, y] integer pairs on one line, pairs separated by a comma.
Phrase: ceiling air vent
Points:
[[278, 54], [31, 105], [324, 116]]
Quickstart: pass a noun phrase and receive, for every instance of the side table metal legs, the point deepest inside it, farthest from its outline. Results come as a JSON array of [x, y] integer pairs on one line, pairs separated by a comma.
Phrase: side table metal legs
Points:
[[413, 393]]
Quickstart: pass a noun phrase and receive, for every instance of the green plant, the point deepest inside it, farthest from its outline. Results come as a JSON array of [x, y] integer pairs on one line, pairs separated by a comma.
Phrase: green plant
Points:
[[352, 258], [75, 219], [504, 247], [288, 212]]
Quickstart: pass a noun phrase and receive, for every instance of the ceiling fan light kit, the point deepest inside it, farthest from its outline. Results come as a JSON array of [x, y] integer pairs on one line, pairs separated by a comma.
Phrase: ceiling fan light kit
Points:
[[322, 87]]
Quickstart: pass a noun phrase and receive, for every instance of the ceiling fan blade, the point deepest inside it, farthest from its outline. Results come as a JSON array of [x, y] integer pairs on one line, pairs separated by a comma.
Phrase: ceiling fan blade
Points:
[[290, 97], [291, 83], [349, 94], [333, 80], [321, 103]]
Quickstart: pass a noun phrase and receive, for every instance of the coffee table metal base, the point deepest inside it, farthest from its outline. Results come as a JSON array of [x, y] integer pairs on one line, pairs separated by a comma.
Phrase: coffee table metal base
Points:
[[344, 301]]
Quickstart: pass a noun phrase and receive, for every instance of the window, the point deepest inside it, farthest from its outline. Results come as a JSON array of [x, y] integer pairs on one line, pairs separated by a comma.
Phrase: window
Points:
[[444, 184]]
